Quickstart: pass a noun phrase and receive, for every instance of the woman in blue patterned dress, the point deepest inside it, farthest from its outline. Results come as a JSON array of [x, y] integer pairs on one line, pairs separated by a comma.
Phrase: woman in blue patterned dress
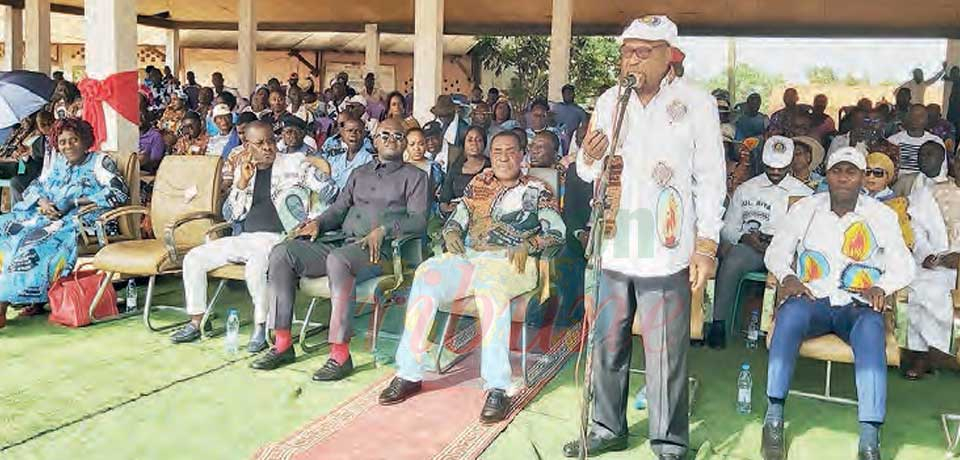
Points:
[[38, 238]]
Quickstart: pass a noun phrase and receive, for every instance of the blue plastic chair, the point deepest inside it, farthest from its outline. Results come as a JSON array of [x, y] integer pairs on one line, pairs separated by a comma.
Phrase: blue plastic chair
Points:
[[758, 276]]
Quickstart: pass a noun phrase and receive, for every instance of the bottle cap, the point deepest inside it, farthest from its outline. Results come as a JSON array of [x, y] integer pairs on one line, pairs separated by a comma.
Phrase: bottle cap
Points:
[[231, 311], [745, 366]]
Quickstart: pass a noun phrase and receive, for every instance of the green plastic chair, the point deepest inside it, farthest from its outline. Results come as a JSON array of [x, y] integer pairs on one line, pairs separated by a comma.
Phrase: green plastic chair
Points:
[[758, 276]]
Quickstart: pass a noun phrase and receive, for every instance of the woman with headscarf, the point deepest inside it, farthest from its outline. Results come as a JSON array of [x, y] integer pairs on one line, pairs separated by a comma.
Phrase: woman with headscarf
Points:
[[876, 184], [38, 238]]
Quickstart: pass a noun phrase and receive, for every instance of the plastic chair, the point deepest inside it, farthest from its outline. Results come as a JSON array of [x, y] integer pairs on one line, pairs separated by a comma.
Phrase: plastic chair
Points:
[[759, 277]]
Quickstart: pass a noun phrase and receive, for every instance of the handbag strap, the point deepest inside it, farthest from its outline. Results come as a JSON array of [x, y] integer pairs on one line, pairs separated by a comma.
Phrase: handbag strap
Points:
[[76, 276]]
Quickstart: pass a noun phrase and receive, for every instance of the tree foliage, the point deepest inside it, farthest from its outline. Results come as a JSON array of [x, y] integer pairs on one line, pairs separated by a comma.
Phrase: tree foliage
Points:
[[593, 67], [749, 80], [821, 75]]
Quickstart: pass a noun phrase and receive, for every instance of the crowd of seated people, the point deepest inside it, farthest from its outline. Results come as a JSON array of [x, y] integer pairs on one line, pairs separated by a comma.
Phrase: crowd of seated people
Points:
[[358, 163]]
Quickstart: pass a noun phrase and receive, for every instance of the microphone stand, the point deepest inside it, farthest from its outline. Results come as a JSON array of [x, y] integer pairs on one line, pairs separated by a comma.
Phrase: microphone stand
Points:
[[593, 252]]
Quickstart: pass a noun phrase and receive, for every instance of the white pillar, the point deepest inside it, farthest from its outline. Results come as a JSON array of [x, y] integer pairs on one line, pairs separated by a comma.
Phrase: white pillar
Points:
[[560, 48], [247, 47], [111, 30], [427, 57], [37, 35], [372, 39], [13, 38], [953, 59], [173, 51]]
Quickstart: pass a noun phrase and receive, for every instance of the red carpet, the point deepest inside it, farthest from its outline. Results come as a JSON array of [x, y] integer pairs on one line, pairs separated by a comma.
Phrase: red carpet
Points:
[[439, 423]]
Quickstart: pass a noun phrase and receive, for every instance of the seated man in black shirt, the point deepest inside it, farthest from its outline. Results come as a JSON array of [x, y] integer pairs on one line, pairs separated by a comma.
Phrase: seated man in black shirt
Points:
[[383, 200], [270, 195]]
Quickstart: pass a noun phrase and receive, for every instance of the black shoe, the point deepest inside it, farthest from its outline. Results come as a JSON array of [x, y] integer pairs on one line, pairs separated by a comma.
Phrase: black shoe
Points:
[[495, 408], [869, 453], [669, 457], [717, 336], [595, 445], [188, 333], [398, 391], [773, 445], [272, 360], [333, 371]]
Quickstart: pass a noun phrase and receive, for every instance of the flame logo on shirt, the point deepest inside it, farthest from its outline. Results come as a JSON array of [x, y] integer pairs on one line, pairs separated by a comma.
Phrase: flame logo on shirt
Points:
[[859, 277], [669, 215], [812, 266], [859, 242]]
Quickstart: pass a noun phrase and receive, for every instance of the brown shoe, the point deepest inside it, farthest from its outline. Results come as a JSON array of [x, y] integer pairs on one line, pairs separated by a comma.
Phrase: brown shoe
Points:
[[3, 314], [35, 309], [918, 368]]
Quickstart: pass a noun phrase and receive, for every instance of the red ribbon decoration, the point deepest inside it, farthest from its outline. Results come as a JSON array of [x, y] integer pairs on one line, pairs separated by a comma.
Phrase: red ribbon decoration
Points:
[[118, 91]]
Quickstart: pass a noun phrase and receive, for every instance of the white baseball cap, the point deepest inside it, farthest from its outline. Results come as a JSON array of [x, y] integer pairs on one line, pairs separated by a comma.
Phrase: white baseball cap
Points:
[[851, 155], [652, 28], [778, 152], [221, 109], [357, 99]]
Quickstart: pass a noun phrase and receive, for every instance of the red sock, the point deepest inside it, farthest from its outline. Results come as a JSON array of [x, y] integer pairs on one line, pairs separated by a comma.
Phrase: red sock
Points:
[[283, 340], [340, 352]]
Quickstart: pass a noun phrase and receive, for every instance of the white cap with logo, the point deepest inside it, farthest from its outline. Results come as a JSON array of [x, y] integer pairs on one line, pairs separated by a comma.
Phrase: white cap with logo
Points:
[[652, 28], [850, 155], [778, 152], [221, 109]]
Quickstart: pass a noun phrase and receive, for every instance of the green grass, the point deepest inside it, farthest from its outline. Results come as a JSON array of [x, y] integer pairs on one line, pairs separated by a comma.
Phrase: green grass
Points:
[[117, 391]]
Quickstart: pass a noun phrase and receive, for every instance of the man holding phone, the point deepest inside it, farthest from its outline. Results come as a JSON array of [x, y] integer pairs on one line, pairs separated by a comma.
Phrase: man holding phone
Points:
[[383, 200], [756, 208], [850, 256]]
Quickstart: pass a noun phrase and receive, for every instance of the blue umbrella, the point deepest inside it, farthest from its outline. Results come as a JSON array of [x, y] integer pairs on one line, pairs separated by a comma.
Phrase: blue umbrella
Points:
[[21, 94]]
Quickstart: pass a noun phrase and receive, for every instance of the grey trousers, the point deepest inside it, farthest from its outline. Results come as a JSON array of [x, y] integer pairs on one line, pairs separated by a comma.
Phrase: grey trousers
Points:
[[663, 305], [345, 266], [739, 261]]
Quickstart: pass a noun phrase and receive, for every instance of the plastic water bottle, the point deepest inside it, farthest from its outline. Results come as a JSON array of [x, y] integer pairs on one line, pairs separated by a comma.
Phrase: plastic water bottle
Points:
[[131, 295], [640, 402], [233, 331], [753, 330], [744, 390]]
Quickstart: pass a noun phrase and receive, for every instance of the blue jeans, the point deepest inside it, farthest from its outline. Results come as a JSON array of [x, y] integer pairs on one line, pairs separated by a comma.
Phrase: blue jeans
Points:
[[858, 325], [492, 281]]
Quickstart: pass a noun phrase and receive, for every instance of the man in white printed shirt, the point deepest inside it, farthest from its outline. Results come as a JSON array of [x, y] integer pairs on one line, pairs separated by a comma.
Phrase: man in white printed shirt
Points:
[[754, 212], [660, 237], [849, 255]]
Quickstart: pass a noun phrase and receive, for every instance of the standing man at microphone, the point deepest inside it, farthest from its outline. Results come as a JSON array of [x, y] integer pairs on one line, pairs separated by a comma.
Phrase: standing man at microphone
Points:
[[660, 237]]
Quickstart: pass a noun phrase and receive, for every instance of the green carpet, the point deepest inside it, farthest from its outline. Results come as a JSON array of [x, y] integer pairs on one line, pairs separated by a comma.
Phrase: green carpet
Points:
[[116, 391]]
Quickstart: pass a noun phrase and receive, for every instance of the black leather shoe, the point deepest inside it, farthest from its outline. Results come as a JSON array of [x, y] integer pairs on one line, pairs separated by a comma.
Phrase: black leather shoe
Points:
[[189, 333], [495, 408], [272, 360], [773, 445], [717, 337], [398, 391], [595, 445], [869, 453], [333, 371]]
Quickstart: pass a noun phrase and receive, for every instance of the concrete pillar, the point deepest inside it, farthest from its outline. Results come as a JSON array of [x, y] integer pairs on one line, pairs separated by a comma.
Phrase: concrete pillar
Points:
[[953, 59], [372, 39], [13, 38], [111, 30], [37, 35], [247, 48], [732, 69], [427, 57], [560, 48], [173, 52]]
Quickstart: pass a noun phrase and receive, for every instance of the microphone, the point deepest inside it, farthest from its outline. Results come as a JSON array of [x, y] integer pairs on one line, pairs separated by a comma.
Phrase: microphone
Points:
[[629, 82]]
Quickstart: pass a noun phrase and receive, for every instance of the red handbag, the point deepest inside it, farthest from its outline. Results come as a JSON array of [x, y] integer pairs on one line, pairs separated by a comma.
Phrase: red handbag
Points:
[[71, 295]]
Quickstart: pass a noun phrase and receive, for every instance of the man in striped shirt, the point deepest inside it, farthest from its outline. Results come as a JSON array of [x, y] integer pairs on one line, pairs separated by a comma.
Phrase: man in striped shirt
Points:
[[912, 137]]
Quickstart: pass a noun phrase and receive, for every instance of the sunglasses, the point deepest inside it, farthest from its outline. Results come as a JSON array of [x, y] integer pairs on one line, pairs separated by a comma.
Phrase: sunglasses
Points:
[[642, 52], [387, 135], [877, 172]]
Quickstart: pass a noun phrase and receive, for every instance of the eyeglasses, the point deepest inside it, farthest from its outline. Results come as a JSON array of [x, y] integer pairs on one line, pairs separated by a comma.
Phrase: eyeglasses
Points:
[[877, 172], [387, 135], [641, 52]]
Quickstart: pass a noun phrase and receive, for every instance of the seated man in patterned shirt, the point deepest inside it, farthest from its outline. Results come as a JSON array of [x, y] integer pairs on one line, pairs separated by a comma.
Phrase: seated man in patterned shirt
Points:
[[270, 195], [504, 217]]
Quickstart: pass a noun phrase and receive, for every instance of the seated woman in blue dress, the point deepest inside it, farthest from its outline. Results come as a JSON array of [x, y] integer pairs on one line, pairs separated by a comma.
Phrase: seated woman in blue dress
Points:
[[38, 238]]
